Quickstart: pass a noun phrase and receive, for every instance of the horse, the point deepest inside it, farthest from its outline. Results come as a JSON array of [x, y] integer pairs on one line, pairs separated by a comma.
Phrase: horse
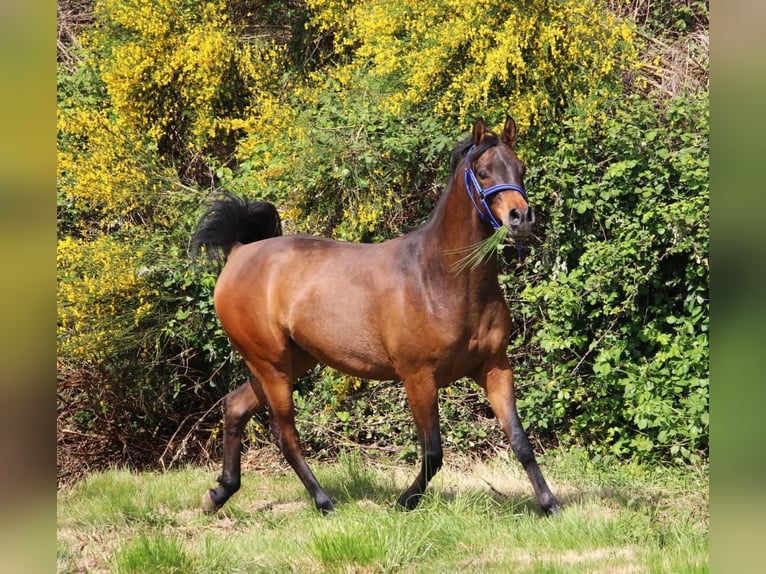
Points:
[[394, 310]]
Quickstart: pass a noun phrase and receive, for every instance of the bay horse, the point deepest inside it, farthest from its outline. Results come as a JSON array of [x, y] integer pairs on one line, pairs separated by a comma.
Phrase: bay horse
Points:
[[395, 310]]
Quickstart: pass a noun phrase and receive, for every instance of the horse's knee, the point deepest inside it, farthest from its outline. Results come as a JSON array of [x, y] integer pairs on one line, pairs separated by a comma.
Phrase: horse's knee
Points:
[[232, 409], [288, 441], [274, 433]]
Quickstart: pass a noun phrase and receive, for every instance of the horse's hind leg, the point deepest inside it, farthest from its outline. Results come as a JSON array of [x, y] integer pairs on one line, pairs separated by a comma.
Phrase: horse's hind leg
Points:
[[239, 406], [498, 381], [278, 388], [423, 399]]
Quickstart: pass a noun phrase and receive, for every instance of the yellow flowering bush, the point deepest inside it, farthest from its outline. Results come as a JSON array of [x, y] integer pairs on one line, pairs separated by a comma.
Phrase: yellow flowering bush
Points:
[[104, 172], [318, 154], [336, 150], [164, 86], [460, 58], [162, 92], [102, 297], [178, 71]]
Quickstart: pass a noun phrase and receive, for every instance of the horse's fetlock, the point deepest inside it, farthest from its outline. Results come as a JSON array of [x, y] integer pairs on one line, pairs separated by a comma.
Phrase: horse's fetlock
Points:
[[229, 483]]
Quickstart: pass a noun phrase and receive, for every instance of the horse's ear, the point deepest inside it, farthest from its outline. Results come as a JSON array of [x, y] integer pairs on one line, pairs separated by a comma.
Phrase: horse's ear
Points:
[[509, 132], [479, 131]]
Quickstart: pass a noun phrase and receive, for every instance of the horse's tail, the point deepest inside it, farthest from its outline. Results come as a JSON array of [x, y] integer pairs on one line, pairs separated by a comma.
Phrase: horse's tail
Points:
[[232, 220]]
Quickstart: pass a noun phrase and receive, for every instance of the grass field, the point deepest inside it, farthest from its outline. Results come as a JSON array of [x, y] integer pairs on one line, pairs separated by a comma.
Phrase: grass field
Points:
[[479, 516]]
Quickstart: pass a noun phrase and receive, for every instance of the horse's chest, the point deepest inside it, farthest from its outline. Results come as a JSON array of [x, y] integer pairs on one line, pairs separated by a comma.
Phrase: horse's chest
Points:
[[458, 346], [490, 333]]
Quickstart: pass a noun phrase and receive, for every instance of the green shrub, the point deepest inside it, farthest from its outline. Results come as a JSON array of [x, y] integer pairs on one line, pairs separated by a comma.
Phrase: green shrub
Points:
[[615, 302]]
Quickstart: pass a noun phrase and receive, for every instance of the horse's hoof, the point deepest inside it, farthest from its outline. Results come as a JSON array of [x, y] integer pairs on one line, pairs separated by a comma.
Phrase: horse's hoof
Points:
[[208, 504], [552, 509], [324, 505], [551, 505], [407, 501]]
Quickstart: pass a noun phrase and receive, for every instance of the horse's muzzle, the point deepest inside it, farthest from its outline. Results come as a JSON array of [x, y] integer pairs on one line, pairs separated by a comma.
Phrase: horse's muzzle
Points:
[[520, 221]]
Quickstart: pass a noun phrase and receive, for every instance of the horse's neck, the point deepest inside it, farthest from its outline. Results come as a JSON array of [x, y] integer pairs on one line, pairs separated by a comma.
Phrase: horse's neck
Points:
[[454, 229]]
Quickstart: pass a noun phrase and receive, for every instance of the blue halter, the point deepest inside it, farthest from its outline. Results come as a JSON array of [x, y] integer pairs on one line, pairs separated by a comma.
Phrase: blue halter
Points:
[[485, 194]]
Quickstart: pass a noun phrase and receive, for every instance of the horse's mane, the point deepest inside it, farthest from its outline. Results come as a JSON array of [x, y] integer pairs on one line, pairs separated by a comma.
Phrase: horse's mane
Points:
[[463, 147]]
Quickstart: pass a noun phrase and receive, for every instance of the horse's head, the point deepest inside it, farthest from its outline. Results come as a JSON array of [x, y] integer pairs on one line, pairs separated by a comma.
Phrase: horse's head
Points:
[[494, 179]]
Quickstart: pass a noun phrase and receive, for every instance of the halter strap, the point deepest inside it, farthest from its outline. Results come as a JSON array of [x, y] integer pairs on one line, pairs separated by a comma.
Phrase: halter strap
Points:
[[484, 194]]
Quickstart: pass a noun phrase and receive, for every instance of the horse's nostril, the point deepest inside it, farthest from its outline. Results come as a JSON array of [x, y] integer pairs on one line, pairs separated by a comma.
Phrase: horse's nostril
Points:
[[530, 215], [515, 216]]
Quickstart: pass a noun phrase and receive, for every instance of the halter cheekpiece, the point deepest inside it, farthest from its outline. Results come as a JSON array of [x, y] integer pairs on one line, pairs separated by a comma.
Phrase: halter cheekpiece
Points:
[[485, 194]]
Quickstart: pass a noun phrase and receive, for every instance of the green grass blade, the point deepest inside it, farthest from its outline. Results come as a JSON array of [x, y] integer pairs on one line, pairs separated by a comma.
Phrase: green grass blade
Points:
[[478, 253]]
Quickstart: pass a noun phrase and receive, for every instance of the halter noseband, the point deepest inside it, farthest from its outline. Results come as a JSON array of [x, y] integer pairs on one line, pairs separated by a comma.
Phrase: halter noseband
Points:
[[485, 194]]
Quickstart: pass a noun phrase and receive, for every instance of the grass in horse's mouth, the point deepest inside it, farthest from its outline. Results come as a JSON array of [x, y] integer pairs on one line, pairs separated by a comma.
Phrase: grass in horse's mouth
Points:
[[479, 253]]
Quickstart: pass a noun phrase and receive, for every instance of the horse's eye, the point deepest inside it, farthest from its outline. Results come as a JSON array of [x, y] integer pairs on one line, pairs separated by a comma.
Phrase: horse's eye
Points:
[[482, 174]]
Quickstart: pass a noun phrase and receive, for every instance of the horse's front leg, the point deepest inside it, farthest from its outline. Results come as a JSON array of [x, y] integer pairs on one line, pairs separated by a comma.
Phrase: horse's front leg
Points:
[[422, 396], [278, 389], [498, 382], [238, 406]]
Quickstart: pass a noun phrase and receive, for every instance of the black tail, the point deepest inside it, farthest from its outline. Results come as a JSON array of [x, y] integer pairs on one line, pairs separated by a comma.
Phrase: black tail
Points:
[[231, 220]]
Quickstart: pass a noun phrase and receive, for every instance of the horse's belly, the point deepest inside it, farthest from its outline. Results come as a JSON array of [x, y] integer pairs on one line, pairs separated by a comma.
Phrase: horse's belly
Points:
[[342, 334], [348, 351]]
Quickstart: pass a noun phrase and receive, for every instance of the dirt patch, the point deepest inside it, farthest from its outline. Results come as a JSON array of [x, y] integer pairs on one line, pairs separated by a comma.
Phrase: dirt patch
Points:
[[91, 549], [608, 560], [277, 507]]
